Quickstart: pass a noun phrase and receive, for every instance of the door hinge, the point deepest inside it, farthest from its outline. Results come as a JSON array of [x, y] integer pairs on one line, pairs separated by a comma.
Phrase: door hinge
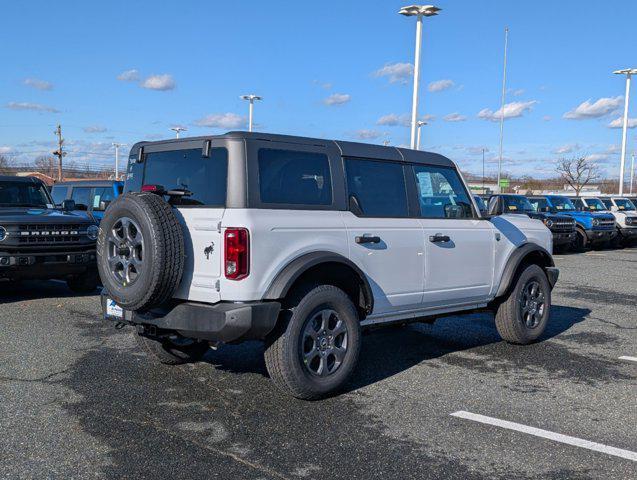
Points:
[[217, 285], [219, 227], [497, 237]]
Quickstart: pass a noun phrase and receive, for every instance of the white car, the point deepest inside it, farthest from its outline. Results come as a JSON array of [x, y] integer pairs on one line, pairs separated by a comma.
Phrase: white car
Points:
[[301, 243], [625, 213]]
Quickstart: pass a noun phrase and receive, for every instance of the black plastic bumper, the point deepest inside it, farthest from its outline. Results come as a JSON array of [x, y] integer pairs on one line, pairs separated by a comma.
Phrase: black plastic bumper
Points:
[[30, 265], [599, 236], [552, 273], [628, 232], [561, 238], [220, 322]]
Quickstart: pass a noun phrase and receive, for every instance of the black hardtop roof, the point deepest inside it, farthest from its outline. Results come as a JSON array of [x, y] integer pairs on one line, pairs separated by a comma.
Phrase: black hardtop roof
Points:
[[93, 183], [12, 178], [347, 149]]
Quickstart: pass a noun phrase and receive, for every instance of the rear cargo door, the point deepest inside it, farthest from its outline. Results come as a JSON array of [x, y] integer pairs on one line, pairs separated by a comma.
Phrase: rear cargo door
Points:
[[199, 174]]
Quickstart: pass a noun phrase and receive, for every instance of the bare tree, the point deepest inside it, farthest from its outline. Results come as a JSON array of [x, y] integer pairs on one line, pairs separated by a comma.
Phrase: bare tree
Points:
[[45, 164], [4, 164], [577, 172]]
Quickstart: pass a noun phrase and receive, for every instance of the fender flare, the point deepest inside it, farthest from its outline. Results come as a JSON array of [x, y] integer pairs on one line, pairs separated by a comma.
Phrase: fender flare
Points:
[[515, 260], [283, 281]]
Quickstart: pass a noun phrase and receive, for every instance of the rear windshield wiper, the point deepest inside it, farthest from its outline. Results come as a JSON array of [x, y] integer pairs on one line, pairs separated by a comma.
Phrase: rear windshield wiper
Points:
[[178, 192]]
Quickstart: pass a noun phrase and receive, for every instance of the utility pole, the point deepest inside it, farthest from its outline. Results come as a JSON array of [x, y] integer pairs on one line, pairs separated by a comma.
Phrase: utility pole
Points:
[[504, 84], [117, 145], [177, 130], [483, 171], [60, 153], [632, 172]]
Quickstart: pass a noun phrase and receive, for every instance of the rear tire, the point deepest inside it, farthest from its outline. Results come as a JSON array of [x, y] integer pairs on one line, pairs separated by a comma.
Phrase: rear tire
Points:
[[522, 317], [175, 351], [315, 347]]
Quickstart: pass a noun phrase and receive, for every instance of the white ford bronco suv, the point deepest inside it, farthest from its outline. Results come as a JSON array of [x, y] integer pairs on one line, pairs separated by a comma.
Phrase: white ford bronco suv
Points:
[[301, 243]]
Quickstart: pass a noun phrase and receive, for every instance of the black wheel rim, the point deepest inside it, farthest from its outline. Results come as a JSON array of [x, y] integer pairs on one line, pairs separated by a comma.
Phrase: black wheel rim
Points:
[[324, 343], [125, 251], [532, 304]]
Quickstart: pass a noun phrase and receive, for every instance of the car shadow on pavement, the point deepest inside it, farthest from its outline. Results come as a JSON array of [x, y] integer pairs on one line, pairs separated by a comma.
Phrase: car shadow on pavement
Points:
[[35, 289]]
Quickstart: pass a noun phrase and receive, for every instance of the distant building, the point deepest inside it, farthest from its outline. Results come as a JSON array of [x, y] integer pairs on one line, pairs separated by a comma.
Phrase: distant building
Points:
[[45, 178]]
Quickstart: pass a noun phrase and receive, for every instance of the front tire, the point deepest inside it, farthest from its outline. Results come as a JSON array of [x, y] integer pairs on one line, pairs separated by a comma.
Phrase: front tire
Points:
[[581, 241], [316, 345], [522, 317], [172, 351]]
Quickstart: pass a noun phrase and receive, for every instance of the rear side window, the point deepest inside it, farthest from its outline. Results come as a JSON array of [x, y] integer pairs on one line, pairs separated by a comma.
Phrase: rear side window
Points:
[[82, 197], [377, 187], [441, 193], [294, 177], [203, 179]]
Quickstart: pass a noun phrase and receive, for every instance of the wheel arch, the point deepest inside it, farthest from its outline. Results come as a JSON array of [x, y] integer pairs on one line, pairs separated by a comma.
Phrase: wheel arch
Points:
[[327, 267], [527, 254]]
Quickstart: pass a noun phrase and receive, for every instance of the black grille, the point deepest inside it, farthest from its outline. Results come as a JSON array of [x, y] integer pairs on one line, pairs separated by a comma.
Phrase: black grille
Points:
[[565, 225], [605, 224], [34, 234], [50, 227]]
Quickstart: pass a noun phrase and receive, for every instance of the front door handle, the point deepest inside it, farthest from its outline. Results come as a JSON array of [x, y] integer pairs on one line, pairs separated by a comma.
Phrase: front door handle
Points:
[[439, 238], [367, 239]]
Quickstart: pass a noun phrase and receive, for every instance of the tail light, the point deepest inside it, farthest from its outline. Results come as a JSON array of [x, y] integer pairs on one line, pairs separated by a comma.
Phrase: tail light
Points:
[[236, 253]]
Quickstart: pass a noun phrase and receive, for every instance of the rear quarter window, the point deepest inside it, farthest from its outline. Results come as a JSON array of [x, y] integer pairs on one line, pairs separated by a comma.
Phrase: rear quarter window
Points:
[[204, 179], [293, 177]]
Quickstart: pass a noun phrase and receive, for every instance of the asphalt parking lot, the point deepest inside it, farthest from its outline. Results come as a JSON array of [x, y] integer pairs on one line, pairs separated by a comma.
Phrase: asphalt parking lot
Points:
[[79, 400]]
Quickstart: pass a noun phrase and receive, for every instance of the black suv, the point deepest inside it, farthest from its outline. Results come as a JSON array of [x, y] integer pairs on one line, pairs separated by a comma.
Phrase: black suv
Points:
[[562, 227], [38, 241]]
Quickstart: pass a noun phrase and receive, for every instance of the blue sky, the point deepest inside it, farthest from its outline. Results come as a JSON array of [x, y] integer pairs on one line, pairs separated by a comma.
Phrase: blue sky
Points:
[[129, 70]]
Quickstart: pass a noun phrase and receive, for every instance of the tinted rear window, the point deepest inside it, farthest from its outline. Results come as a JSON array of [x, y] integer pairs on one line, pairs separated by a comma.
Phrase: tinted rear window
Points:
[[205, 178], [294, 177], [59, 194]]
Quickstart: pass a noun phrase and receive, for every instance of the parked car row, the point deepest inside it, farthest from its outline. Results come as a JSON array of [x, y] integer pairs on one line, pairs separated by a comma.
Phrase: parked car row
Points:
[[576, 223]]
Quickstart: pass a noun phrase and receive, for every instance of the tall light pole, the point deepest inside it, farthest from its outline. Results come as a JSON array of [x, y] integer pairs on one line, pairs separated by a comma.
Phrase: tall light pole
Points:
[[632, 172], [504, 86], [177, 130], [251, 98], [420, 124], [418, 11], [117, 145], [628, 72]]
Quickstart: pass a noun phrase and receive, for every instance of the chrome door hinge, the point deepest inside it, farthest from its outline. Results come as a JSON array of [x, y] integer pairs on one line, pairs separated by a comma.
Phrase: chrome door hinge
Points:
[[217, 285]]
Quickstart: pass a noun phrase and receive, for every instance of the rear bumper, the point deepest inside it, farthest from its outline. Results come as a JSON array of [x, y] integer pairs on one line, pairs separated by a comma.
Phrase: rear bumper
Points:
[[560, 238], [223, 322]]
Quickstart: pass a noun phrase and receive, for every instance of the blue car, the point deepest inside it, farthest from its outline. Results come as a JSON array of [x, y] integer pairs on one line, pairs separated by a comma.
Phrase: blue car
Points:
[[593, 228], [92, 196]]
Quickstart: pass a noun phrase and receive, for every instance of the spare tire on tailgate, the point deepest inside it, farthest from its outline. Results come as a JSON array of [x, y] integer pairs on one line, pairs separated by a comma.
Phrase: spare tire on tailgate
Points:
[[140, 251]]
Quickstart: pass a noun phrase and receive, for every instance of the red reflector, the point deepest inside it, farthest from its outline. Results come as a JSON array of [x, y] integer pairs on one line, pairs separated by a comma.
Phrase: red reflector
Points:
[[152, 188], [236, 253]]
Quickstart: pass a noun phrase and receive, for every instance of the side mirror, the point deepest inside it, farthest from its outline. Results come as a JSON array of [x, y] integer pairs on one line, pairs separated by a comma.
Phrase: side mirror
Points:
[[104, 205], [68, 205], [354, 206], [614, 209], [454, 211]]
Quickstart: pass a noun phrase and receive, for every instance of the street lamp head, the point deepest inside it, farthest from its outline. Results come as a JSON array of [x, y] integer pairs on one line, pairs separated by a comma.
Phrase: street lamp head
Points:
[[420, 123], [419, 10], [626, 71], [251, 97]]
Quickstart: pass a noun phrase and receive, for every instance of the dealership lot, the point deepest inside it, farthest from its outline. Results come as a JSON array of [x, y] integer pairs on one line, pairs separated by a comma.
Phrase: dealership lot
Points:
[[79, 400]]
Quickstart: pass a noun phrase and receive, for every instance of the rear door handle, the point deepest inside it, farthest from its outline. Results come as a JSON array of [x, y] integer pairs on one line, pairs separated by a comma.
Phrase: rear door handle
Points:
[[367, 239], [439, 238]]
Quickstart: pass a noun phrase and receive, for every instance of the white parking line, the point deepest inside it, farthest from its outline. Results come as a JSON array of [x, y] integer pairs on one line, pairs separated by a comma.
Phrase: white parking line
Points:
[[630, 359], [558, 437]]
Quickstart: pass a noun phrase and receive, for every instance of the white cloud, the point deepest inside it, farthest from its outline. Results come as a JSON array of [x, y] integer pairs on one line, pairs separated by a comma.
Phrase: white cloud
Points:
[[613, 149], [161, 82], [337, 99], [440, 85], [547, 118], [38, 84], [476, 150], [597, 109], [516, 92], [396, 72], [129, 75], [510, 110], [222, 120], [568, 148], [94, 129], [597, 157], [365, 134], [619, 123], [454, 117], [36, 107], [428, 118], [5, 149], [392, 120]]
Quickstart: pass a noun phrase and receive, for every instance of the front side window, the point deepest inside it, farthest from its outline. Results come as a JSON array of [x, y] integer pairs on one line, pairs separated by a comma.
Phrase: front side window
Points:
[[377, 188], [294, 177], [517, 204], [59, 194], [595, 204], [539, 204], [579, 204], [23, 194], [608, 202], [441, 193], [202, 179], [102, 196], [82, 197]]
